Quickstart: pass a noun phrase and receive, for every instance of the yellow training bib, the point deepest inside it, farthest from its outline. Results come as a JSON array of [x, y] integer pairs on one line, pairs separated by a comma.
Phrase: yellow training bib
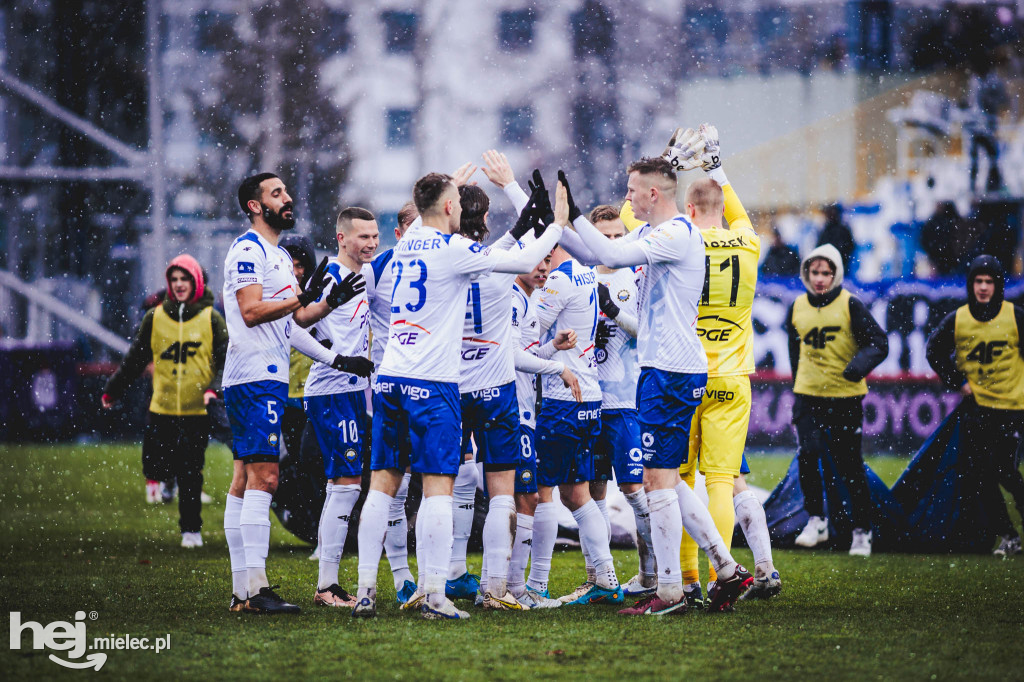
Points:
[[826, 348], [182, 363], [298, 371], [989, 354]]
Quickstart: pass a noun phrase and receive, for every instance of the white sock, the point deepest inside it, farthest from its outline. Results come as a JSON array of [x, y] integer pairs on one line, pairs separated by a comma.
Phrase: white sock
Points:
[[638, 501], [520, 555], [396, 541], [588, 561], [603, 506], [334, 530], [701, 527], [236, 549], [373, 524], [666, 537], [750, 514], [434, 545], [254, 521], [464, 500], [594, 536], [545, 530], [499, 536]]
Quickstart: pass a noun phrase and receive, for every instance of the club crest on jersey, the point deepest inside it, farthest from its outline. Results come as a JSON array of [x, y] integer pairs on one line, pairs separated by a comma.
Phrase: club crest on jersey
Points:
[[623, 295], [600, 355], [526, 476], [272, 440], [351, 455]]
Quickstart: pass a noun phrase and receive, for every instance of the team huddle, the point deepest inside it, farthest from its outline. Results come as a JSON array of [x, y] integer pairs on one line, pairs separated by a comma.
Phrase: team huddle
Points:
[[576, 349]]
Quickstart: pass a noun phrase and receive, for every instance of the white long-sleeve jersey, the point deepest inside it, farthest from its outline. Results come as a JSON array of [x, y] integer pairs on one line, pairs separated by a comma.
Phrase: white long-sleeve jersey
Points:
[[526, 339], [617, 368], [569, 301], [347, 328], [432, 272], [379, 283]]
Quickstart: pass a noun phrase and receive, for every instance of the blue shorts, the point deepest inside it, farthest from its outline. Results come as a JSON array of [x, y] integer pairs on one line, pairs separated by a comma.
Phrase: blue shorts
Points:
[[254, 411], [339, 422], [618, 448], [526, 470], [666, 402], [744, 467], [491, 416], [418, 424], [566, 432]]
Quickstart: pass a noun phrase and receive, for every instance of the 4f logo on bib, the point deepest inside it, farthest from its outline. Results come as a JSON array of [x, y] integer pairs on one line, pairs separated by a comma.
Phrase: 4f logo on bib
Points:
[[985, 353], [817, 338], [179, 352]]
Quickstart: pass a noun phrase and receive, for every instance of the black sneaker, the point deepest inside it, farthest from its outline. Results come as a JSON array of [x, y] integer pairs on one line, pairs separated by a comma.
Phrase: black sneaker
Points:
[[236, 604], [724, 594], [268, 601], [694, 597]]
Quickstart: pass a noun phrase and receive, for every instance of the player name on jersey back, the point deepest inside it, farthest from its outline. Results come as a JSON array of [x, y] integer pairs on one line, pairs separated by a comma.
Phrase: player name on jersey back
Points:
[[257, 353], [431, 274], [569, 301]]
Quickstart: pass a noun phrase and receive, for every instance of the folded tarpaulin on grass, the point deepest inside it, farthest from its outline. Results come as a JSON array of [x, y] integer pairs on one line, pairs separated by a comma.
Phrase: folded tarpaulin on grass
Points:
[[940, 503]]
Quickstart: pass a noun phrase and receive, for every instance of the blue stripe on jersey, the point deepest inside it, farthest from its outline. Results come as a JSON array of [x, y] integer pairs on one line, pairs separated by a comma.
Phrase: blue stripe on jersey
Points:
[[379, 263], [249, 236], [522, 294], [565, 268]]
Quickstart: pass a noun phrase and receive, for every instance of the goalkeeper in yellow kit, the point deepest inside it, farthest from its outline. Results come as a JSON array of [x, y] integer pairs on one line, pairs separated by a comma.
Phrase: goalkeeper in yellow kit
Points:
[[718, 432]]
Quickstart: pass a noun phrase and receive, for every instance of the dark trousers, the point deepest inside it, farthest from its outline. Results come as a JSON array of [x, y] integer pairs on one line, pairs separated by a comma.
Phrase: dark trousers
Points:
[[175, 448], [991, 440], [293, 423], [833, 426]]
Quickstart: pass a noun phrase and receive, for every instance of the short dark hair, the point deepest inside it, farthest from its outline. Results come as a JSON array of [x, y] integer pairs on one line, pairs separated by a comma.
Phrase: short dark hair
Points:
[[250, 189], [475, 205], [603, 212], [428, 189], [653, 166], [347, 215], [407, 214]]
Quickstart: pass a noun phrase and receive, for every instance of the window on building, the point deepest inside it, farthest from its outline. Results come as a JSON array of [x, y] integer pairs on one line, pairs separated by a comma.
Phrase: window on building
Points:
[[213, 29], [399, 128], [706, 19], [516, 124], [593, 31], [334, 36], [515, 29], [772, 22], [399, 30]]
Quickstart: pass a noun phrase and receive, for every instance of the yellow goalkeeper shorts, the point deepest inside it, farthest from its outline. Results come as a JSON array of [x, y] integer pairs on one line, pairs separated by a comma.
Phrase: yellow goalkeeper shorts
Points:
[[718, 432]]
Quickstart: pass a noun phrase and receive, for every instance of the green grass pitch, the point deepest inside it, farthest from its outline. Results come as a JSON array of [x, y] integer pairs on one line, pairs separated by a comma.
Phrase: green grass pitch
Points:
[[76, 535]]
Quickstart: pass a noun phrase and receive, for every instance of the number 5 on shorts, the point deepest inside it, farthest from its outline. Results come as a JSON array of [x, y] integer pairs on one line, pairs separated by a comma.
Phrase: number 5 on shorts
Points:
[[270, 411]]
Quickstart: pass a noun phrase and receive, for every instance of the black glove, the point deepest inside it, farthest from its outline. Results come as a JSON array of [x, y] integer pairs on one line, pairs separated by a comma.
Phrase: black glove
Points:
[[574, 212], [327, 343], [604, 333], [358, 365], [605, 302], [544, 209], [525, 221], [345, 290], [315, 285]]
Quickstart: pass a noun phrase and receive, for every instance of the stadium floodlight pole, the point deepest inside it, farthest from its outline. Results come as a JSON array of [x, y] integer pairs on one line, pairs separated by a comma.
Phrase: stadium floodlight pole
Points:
[[157, 169]]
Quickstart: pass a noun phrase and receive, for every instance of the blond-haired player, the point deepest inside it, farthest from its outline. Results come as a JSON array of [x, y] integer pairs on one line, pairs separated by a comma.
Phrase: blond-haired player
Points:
[[718, 432]]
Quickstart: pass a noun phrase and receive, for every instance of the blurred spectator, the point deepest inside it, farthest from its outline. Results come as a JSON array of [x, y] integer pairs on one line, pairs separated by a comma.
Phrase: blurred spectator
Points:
[[943, 238], [837, 233], [781, 260], [986, 98], [997, 225]]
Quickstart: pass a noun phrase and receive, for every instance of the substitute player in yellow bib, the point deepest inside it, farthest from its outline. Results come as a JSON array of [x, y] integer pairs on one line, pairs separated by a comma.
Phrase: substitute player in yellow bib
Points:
[[834, 343], [718, 432], [977, 350], [186, 340]]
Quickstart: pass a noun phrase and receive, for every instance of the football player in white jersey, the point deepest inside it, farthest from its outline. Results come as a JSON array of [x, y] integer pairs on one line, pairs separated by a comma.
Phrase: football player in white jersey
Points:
[[377, 274], [618, 447], [529, 364], [336, 401], [260, 306], [673, 375], [416, 406], [567, 429]]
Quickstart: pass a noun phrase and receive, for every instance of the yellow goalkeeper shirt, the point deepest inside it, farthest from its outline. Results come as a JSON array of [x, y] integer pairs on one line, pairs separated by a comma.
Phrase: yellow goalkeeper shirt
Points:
[[730, 277]]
